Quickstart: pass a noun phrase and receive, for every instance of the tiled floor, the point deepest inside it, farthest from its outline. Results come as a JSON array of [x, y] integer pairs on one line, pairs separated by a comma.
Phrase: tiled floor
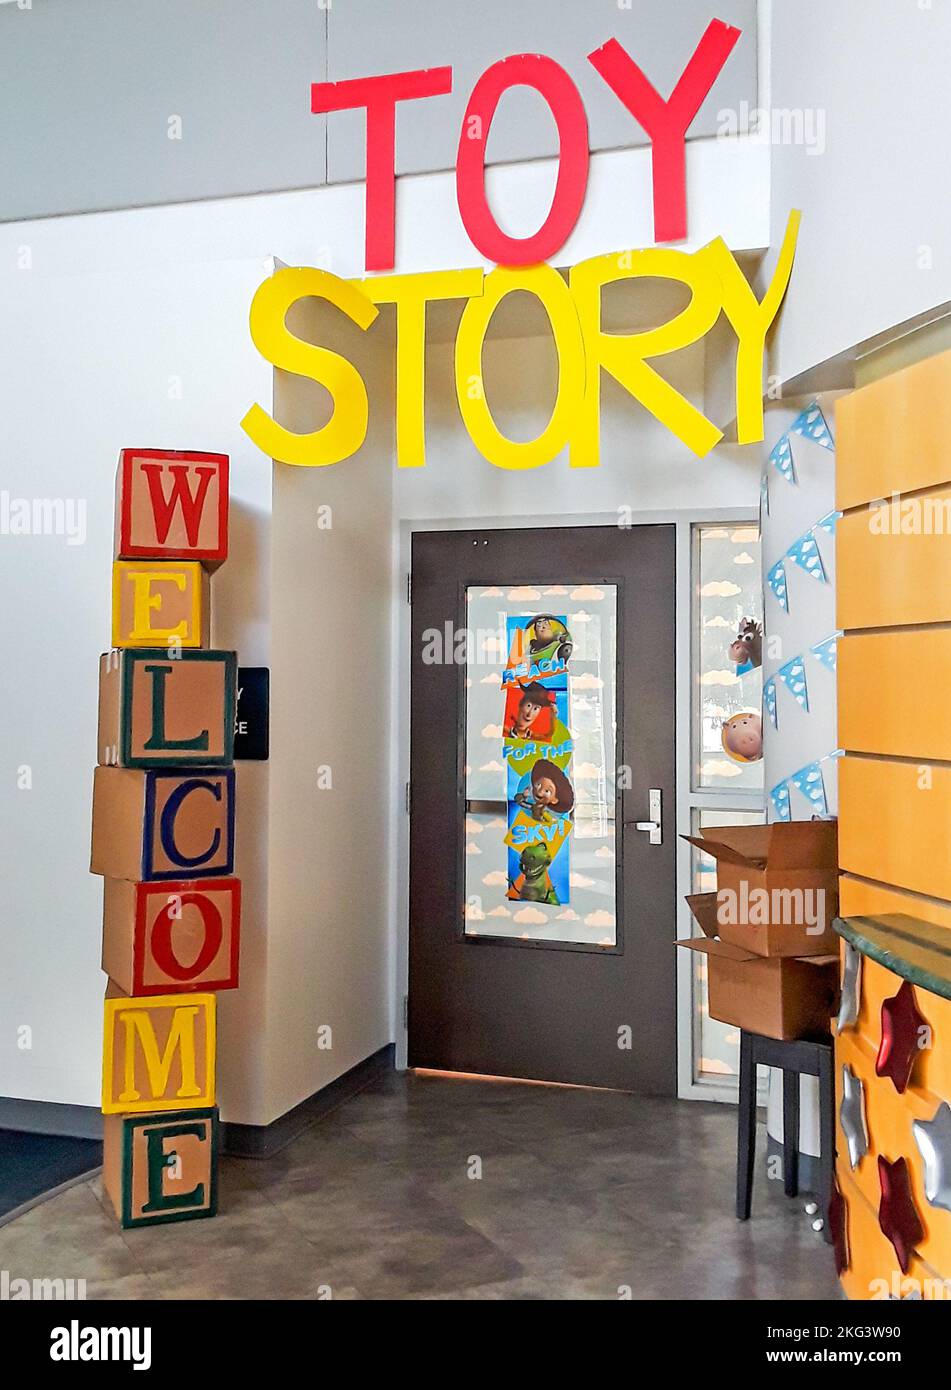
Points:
[[582, 1194]]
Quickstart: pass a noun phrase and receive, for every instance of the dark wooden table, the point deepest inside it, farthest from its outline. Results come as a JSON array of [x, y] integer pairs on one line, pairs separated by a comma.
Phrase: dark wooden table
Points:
[[793, 1059]]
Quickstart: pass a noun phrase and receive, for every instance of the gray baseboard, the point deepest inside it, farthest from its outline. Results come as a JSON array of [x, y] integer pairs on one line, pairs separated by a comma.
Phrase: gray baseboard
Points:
[[241, 1141], [49, 1117]]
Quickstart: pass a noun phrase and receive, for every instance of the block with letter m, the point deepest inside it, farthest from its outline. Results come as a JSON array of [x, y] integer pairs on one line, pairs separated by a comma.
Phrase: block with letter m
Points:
[[172, 505]]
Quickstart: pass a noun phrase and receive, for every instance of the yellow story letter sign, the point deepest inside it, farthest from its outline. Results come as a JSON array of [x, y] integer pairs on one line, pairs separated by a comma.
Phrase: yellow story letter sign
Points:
[[713, 277], [158, 1053]]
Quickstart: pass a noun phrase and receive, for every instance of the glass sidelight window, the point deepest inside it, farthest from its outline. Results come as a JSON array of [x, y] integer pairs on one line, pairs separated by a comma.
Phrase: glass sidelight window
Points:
[[540, 763], [727, 769]]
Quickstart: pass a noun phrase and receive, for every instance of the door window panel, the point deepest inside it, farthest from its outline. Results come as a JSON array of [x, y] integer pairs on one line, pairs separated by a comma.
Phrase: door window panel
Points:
[[728, 728], [522, 890]]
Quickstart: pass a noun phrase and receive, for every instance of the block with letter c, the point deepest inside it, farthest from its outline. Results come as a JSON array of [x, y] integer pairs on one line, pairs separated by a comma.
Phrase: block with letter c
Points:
[[171, 937], [163, 824]]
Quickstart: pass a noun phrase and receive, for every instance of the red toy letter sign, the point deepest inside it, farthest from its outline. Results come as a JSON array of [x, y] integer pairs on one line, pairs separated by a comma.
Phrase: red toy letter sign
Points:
[[554, 84], [379, 95], [666, 122]]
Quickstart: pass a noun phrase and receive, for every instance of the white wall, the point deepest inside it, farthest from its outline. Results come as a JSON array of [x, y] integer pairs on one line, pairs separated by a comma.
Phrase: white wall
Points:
[[876, 201], [99, 313], [90, 363]]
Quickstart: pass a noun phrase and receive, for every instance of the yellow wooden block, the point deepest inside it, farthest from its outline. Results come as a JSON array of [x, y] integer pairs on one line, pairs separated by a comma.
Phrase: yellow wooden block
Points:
[[158, 1053], [160, 603], [893, 694], [895, 823], [892, 436], [887, 577], [860, 899], [873, 1272]]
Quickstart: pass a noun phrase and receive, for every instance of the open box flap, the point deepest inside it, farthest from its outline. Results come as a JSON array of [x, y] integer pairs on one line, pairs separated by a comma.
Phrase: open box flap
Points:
[[703, 906], [730, 854], [804, 844], [709, 947]]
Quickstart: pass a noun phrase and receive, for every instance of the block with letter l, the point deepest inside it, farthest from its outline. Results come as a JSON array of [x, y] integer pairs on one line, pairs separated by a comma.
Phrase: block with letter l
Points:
[[158, 603], [158, 710], [163, 1167], [163, 823], [172, 505], [172, 936], [158, 1053]]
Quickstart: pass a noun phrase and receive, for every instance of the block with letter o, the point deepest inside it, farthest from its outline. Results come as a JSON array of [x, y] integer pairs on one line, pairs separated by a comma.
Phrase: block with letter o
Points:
[[172, 936]]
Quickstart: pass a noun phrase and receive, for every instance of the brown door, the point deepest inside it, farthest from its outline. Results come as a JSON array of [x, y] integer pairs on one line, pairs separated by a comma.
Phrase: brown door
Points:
[[542, 920]]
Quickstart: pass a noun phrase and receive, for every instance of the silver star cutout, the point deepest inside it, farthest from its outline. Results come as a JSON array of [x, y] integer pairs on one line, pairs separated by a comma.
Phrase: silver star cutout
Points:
[[852, 1116], [933, 1138], [851, 988]]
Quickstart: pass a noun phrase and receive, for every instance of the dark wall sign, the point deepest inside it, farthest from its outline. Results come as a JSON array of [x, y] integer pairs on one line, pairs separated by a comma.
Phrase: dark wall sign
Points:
[[251, 724]]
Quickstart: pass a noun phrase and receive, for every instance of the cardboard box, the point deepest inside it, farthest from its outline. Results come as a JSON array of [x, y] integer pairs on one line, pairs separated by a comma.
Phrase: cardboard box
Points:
[[777, 886], [782, 997], [156, 710]]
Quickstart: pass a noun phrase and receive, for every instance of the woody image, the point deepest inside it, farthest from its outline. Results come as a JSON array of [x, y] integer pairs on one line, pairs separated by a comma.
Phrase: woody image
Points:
[[534, 699]]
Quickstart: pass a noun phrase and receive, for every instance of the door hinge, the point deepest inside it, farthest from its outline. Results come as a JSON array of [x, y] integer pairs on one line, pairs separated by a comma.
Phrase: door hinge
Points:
[[406, 1011], [409, 588], [409, 798]]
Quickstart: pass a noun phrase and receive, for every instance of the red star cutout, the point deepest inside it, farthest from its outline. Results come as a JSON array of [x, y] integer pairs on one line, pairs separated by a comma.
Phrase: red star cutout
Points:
[[897, 1213], [901, 1038], [838, 1217]]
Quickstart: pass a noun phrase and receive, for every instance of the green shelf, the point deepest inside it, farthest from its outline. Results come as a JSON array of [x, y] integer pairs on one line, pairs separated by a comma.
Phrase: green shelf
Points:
[[915, 949]]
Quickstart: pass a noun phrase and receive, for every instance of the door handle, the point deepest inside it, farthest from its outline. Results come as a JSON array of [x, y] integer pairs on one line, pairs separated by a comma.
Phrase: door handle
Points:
[[652, 826]]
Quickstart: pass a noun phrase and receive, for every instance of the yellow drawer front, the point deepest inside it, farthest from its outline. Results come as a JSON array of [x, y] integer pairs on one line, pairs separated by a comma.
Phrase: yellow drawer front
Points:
[[873, 1271], [895, 693], [931, 1076], [895, 823], [886, 580], [889, 1117], [860, 899], [892, 436]]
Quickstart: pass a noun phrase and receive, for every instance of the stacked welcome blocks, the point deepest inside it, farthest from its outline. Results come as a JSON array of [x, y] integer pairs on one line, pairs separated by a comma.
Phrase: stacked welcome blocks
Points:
[[163, 837]]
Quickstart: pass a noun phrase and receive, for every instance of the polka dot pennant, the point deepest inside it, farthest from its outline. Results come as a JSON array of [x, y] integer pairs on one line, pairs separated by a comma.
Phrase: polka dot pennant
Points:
[[827, 651], [780, 799], [782, 460], [769, 700], [811, 424], [776, 579], [805, 553], [808, 781], [793, 676]]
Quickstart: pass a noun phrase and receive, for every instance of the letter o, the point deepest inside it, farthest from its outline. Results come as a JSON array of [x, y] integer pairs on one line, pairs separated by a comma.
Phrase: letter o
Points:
[[553, 83], [163, 950], [553, 294]]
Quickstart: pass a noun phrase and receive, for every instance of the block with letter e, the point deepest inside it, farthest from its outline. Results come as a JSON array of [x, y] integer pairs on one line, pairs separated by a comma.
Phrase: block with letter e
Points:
[[172, 936], [158, 1053], [158, 710], [172, 505], [163, 823], [160, 603], [159, 1168]]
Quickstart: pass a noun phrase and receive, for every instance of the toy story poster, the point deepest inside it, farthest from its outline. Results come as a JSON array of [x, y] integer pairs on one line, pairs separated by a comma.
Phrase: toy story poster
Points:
[[537, 748]]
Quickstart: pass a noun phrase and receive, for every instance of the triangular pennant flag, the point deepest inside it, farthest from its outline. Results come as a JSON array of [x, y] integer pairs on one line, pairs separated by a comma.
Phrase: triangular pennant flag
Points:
[[782, 460], [776, 579], [805, 553], [769, 700], [793, 675], [764, 492], [826, 651], [828, 522], [780, 799], [811, 424], [808, 780]]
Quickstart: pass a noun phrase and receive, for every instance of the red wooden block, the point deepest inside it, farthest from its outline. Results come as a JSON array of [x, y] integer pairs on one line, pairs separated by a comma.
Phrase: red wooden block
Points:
[[171, 936], [172, 505]]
